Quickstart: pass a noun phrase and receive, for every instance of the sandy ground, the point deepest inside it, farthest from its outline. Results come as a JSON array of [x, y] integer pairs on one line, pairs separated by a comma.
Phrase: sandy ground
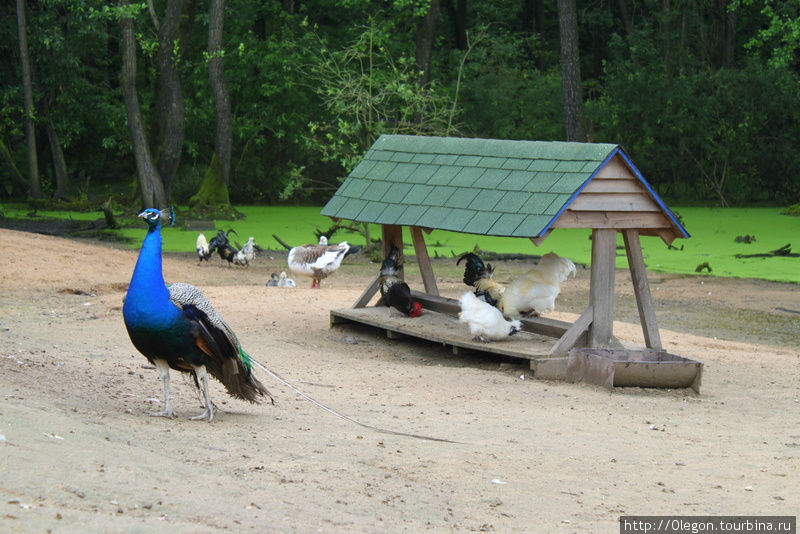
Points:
[[79, 453]]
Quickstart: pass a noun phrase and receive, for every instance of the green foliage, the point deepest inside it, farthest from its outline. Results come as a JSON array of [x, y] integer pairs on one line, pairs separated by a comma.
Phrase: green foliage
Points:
[[779, 38], [504, 95], [709, 134], [368, 90], [708, 114]]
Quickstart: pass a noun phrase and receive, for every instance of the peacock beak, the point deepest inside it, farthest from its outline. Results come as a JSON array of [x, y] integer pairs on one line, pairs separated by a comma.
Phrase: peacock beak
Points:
[[142, 215]]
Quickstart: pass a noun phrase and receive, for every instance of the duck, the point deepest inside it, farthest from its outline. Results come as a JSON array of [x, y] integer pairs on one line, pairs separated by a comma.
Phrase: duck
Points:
[[317, 261], [285, 281]]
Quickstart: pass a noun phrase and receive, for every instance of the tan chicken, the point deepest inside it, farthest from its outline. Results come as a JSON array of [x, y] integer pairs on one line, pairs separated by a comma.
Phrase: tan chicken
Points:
[[536, 291]]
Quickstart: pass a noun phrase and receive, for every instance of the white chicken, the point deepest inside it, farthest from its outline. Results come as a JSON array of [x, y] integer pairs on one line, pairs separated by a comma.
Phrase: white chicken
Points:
[[247, 254], [486, 323], [536, 291], [317, 261], [203, 250]]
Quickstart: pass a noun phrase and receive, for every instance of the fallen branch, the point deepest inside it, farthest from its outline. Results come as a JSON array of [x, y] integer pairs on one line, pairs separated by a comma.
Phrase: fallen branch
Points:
[[784, 252], [279, 240]]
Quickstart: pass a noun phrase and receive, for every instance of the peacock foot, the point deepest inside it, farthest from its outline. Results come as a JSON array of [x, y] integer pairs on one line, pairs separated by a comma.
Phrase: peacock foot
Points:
[[166, 413], [207, 414]]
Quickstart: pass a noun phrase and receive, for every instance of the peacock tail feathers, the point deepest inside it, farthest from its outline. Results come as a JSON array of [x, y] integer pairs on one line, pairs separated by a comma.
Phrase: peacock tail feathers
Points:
[[228, 362], [245, 359]]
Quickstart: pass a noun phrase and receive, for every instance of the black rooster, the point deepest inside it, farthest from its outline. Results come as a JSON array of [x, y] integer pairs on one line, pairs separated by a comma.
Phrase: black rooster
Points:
[[394, 292], [223, 247], [479, 275]]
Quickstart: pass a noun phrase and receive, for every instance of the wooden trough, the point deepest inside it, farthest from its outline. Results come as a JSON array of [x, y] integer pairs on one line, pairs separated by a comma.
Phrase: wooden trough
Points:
[[506, 188], [641, 368]]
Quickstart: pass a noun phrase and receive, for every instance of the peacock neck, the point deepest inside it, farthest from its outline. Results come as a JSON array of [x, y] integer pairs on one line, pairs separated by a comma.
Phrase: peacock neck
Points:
[[147, 276]]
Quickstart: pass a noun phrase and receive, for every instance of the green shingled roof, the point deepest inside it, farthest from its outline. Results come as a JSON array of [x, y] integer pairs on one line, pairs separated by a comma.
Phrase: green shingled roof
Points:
[[479, 186]]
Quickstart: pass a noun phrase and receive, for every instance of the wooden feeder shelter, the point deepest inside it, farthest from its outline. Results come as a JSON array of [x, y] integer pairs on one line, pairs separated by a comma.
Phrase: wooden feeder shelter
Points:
[[506, 188]]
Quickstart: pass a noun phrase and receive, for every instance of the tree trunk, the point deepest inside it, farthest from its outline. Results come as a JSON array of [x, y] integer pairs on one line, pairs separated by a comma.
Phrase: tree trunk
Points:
[[222, 104], [571, 71], [426, 35], [59, 163], [458, 15], [169, 99], [187, 23], [15, 174], [152, 188], [532, 16], [27, 89], [288, 6], [730, 37], [625, 16]]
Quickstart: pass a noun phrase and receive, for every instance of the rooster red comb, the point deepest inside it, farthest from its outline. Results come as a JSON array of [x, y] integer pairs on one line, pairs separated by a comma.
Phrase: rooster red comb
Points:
[[416, 310]]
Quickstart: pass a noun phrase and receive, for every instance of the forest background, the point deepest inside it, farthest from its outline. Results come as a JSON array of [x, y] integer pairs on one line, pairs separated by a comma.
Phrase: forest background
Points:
[[274, 101]]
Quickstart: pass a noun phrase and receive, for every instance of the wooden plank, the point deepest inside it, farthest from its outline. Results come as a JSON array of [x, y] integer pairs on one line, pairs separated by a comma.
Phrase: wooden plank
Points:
[[444, 329], [614, 185], [538, 325], [574, 333], [641, 288], [601, 289], [614, 202], [368, 293], [425, 267], [611, 219], [616, 168]]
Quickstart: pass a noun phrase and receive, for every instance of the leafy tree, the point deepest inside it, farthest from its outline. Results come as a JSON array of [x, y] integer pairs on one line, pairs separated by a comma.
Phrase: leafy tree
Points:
[[368, 92]]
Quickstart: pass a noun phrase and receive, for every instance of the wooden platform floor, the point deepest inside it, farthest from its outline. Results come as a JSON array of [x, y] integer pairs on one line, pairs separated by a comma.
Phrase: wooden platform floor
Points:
[[445, 329]]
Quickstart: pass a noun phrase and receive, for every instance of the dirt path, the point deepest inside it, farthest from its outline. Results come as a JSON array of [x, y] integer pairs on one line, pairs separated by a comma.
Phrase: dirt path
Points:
[[79, 452]]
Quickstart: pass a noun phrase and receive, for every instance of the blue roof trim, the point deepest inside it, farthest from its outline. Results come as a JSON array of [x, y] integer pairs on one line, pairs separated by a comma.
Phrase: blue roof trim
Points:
[[617, 150], [578, 192], [652, 192]]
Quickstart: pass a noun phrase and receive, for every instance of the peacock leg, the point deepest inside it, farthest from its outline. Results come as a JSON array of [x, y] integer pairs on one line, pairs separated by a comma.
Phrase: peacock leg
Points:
[[202, 377], [163, 374]]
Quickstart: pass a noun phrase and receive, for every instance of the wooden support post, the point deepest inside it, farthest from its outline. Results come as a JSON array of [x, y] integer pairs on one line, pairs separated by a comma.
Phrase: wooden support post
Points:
[[425, 268], [392, 235], [601, 290], [641, 288]]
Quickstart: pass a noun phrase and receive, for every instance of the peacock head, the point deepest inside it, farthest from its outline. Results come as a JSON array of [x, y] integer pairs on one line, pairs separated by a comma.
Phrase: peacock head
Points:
[[153, 217]]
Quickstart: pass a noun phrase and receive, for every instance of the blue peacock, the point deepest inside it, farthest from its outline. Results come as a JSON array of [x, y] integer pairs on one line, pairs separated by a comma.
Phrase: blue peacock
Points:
[[176, 327]]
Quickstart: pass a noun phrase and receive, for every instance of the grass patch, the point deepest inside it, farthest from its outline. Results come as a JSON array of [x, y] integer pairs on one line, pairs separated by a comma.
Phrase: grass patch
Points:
[[713, 232]]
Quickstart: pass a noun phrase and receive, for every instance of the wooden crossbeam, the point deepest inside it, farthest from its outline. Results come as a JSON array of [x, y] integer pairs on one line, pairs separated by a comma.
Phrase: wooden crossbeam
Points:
[[574, 333], [368, 293]]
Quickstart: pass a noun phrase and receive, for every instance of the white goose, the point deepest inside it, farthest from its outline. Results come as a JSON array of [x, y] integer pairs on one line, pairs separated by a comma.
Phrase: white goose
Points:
[[317, 261]]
